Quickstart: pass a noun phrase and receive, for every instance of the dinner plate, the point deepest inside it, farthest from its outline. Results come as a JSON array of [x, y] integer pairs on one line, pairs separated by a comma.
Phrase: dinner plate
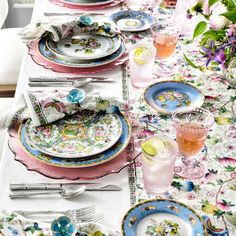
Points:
[[88, 3], [162, 217], [167, 96], [132, 20], [84, 134], [84, 47], [105, 156], [47, 54]]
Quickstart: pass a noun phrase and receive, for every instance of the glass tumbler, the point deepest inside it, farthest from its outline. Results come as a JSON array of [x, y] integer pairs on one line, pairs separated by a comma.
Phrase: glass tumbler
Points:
[[158, 157], [141, 62]]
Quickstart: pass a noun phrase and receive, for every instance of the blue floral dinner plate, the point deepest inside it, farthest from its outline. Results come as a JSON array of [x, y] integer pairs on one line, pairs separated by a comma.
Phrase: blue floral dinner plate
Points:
[[49, 55], [105, 156], [167, 96], [132, 20], [162, 217]]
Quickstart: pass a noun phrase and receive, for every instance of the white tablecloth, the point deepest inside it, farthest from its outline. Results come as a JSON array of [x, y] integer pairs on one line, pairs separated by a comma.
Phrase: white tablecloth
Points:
[[112, 204]]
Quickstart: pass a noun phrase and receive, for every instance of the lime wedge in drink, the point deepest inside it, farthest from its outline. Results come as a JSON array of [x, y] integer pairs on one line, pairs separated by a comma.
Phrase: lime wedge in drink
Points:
[[141, 55], [153, 146], [149, 149]]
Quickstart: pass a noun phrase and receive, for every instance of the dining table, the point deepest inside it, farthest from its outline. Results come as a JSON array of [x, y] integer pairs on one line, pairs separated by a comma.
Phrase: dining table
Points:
[[213, 195]]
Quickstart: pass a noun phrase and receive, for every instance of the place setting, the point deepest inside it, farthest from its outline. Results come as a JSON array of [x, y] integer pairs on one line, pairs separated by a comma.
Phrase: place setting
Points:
[[75, 45]]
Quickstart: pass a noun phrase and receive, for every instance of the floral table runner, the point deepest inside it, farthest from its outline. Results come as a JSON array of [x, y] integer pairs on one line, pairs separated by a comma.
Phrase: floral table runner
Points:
[[213, 195]]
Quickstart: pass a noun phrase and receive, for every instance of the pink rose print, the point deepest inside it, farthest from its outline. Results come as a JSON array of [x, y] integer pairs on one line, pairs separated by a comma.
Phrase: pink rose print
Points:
[[190, 196], [223, 205], [233, 175], [227, 161]]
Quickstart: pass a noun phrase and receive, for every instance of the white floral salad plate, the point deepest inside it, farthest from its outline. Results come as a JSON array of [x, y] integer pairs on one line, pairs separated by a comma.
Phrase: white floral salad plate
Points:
[[51, 57], [160, 217], [81, 135], [97, 159], [88, 3], [84, 47], [167, 96]]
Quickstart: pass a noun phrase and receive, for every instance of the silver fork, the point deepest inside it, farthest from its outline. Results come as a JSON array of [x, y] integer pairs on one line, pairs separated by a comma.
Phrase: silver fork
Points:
[[81, 213]]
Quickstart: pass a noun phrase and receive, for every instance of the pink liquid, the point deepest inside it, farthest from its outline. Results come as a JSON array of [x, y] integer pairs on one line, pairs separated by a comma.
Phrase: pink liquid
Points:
[[165, 45]]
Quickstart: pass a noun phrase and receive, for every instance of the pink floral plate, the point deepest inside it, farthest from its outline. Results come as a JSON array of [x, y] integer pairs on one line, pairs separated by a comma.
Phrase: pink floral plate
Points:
[[87, 173], [49, 63], [86, 7]]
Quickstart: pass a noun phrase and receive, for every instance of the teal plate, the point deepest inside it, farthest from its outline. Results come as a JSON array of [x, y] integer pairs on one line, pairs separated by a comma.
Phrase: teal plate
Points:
[[105, 156], [162, 217], [167, 96]]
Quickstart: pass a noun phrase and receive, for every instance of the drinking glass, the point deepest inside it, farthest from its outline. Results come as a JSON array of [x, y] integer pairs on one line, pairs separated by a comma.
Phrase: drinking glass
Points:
[[192, 127], [158, 157], [141, 62], [165, 37], [134, 5]]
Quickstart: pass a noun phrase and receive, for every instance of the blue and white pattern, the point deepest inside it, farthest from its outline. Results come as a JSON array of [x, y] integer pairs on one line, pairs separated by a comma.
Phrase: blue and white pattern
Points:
[[138, 220], [132, 20]]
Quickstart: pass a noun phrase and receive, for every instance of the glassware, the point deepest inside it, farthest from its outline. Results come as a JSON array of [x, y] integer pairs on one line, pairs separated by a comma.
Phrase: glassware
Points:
[[192, 126], [141, 61], [230, 73], [158, 157], [165, 37], [134, 5]]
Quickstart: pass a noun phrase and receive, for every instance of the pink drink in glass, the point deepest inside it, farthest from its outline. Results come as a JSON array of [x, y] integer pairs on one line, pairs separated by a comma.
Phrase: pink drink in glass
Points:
[[158, 168]]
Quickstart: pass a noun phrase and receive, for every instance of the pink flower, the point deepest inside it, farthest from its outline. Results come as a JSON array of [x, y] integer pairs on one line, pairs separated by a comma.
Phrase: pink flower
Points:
[[191, 196], [233, 175], [222, 205], [227, 161], [138, 164], [230, 147], [210, 194], [70, 148]]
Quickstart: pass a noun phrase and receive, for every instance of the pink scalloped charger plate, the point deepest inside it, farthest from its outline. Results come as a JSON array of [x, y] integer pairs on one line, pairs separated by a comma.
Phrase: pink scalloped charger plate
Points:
[[86, 173], [83, 7], [41, 60]]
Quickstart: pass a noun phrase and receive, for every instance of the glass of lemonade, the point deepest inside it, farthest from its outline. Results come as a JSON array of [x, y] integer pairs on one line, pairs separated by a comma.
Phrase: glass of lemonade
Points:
[[141, 62], [165, 37], [192, 127], [158, 157]]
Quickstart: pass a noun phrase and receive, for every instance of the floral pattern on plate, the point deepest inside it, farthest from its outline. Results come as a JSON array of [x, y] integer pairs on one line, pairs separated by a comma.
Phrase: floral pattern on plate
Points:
[[84, 47], [81, 135]]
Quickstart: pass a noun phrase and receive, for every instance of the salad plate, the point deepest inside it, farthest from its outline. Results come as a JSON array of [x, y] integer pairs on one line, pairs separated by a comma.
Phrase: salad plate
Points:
[[167, 96], [81, 135], [132, 20], [84, 47], [49, 56], [97, 159], [162, 217]]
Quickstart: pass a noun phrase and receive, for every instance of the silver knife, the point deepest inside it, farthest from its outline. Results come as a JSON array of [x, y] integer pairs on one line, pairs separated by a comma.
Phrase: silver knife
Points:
[[53, 186], [72, 14], [63, 79]]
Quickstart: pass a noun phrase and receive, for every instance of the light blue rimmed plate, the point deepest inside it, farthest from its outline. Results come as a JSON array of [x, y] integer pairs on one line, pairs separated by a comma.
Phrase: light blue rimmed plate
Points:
[[132, 20], [47, 54], [84, 47], [167, 96], [162, 217], [105, 156]]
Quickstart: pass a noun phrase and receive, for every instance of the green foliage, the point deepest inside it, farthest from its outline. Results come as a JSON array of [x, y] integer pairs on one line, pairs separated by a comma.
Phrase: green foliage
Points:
[[199, 29], [190, 62], [230, 15], [211, 2]]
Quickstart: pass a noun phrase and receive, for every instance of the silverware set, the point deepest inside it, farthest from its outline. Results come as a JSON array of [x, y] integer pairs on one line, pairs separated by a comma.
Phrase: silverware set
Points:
[[77, 81]]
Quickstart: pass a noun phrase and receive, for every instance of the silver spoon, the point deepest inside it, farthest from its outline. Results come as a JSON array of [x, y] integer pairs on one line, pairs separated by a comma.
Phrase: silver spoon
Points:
[[65, 192]]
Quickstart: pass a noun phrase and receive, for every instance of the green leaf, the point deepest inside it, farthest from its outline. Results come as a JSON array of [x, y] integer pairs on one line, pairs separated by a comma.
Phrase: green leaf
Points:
[[230, 15], [211, 2], [190, 62], [233, 187], [199, 29]]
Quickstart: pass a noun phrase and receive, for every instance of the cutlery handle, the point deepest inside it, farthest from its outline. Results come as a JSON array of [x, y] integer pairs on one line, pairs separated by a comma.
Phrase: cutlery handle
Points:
[[35, 186], [50, 84], [26, 195], [25, 213]]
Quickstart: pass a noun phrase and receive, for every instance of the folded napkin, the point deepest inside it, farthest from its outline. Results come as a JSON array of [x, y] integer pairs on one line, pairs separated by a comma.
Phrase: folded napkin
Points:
[[44, 107], [17, 225], [57, 29]]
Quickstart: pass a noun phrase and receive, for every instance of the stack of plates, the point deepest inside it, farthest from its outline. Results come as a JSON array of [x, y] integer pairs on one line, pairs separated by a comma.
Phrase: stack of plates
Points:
[[83, 51], [82, 140]]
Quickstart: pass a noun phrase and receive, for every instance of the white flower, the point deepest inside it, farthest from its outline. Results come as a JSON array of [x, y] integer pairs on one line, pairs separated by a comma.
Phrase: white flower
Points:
[[216, 20]]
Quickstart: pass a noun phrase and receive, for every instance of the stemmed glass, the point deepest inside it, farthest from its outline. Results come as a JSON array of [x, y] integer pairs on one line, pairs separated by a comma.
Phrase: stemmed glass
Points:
[[192, 126], [165, 37]]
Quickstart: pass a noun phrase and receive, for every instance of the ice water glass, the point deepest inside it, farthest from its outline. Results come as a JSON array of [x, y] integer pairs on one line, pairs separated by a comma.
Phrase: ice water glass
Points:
[[158, 157], [141, 62]]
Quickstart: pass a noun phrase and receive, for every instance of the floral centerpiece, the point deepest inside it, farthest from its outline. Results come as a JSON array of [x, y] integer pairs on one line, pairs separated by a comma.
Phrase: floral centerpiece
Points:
[[217, 32]]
